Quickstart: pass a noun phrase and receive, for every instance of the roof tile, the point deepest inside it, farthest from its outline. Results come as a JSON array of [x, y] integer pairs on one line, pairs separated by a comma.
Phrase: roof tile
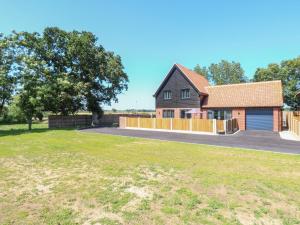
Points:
[[257, 94]]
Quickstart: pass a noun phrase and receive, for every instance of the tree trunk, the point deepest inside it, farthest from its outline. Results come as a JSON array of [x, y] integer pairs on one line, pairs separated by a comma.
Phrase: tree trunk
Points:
[[95, 118], [29, 120]]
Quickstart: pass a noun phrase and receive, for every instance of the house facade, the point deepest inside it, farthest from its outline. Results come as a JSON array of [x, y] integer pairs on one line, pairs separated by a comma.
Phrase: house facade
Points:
[[186, 94]]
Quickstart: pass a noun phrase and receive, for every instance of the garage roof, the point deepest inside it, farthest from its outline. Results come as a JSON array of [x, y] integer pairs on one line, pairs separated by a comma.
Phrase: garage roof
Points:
[[256, 94]]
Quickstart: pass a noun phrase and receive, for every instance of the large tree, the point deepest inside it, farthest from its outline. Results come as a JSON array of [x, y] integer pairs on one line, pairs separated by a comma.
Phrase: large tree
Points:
[[224, 72], [7, 79], [30, 74], [288, 72], [101, 72], [76, 73]]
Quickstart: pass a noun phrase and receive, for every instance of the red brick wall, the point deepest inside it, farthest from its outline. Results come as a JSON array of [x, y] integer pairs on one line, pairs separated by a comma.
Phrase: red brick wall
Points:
[[277, 119], [204, 115], [240, 115], [159, 113]]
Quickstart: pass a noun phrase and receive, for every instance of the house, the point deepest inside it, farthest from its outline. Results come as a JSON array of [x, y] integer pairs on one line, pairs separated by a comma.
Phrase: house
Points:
[[186, 94]]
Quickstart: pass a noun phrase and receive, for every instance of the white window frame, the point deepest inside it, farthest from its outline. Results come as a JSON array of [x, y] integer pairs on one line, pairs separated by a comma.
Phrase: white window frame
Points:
[[167, 95], [185, 93]]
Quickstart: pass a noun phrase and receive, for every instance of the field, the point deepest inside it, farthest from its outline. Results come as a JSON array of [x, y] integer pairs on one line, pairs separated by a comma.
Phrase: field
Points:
[[69, 177]]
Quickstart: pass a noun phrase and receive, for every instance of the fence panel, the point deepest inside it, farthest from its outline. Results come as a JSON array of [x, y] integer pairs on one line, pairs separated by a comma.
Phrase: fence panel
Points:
[[180, 124], [202, 125], [163, 124], [220, 125], [293, 122], [132, 122], [146, 123]]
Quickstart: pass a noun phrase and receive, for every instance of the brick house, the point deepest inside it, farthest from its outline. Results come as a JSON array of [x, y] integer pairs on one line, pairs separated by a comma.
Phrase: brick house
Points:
[[186, 94]]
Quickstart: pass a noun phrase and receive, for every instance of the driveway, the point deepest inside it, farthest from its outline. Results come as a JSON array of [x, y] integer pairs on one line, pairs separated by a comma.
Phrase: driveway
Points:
[[260, 140]]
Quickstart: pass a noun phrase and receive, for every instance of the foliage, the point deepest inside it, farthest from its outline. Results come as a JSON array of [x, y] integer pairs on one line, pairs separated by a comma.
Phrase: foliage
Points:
[[223, 72], [202, 71], [13, 113], [64, 72], [288, 72], [7, 80]]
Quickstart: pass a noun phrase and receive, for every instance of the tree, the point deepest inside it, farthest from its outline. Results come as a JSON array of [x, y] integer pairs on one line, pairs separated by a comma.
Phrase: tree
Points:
[[75, 72], [202, 71], [227, 73], [223, 72], [100, 73], [7, 80], [30, 93], [288, 72]]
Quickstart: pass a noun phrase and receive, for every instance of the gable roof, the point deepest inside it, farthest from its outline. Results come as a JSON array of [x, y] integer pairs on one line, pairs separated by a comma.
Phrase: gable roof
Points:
[[257, 94], [199, 82]]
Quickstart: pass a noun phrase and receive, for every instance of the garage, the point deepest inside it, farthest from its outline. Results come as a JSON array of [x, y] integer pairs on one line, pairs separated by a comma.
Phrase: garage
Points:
[[259, 119]]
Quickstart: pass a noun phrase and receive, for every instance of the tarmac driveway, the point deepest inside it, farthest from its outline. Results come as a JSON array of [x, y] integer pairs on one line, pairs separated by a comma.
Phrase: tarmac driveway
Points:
[[260, 140]]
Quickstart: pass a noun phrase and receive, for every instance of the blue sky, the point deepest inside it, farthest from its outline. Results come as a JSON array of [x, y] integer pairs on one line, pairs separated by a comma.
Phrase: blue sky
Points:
[[151, 36]]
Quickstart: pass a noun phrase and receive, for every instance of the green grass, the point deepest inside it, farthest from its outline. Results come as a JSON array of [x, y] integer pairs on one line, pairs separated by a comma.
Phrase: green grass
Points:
[[70, 177]]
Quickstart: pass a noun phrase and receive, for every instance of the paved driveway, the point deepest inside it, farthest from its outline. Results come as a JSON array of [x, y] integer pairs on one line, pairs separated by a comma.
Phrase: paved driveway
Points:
[[260, 140]]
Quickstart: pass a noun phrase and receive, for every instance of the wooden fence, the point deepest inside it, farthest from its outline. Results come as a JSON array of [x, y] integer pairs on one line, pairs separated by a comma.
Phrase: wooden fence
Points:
[[293, 122], [232, 126], [193, 125], [75, 121], [82, 121]]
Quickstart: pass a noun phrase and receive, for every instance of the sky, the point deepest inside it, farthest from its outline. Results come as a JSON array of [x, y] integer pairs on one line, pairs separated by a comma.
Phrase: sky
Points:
[[152, 35]]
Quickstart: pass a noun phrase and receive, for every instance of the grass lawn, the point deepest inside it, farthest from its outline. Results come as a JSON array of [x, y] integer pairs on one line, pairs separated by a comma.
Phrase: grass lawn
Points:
[[68, 177]]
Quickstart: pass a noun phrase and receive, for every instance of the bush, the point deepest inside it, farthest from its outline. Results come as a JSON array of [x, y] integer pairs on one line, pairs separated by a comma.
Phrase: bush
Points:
[[40, 116], [13, 114]]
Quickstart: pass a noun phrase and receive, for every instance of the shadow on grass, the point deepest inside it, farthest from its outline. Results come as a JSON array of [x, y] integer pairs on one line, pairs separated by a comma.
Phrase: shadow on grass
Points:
[[19, 131]]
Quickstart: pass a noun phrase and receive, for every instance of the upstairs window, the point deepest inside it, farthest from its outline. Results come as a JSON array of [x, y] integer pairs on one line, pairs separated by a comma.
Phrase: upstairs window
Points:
[[167, 95], [185, 93]]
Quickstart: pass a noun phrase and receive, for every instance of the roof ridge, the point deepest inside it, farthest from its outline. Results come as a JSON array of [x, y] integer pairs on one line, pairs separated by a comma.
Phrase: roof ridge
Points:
[[246, 83]]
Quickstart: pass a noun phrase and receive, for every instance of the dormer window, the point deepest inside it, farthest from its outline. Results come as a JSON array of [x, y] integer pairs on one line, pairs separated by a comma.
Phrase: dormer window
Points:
[[167, 95], [185, 93]]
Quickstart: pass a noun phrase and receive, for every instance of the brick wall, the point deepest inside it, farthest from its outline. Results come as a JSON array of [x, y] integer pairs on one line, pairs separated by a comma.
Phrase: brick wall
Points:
[[277, 119], [159, 112], [240, 115]]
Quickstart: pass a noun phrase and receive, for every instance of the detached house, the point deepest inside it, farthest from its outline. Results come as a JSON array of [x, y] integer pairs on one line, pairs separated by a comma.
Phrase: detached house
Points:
[[186, 94]]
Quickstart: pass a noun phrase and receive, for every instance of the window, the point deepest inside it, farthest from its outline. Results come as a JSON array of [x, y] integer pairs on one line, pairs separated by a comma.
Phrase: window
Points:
[[184, 114], [185, 93], [219, 114], [167, 95], [168, 113]]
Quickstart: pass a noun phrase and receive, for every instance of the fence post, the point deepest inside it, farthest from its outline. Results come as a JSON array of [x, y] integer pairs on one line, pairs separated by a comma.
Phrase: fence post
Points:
[[225, 126], [125, 122], [154, 119], [214, 126], [138, 122], [191, 125], [171, 125]]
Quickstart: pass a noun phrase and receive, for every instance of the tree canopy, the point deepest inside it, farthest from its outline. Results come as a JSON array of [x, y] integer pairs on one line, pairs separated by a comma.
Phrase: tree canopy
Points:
[[224, 72], [60, 71], [7, 80], [288, 72]]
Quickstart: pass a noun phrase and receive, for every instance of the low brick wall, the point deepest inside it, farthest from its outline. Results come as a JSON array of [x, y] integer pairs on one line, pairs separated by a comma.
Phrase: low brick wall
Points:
[[76, 121]]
